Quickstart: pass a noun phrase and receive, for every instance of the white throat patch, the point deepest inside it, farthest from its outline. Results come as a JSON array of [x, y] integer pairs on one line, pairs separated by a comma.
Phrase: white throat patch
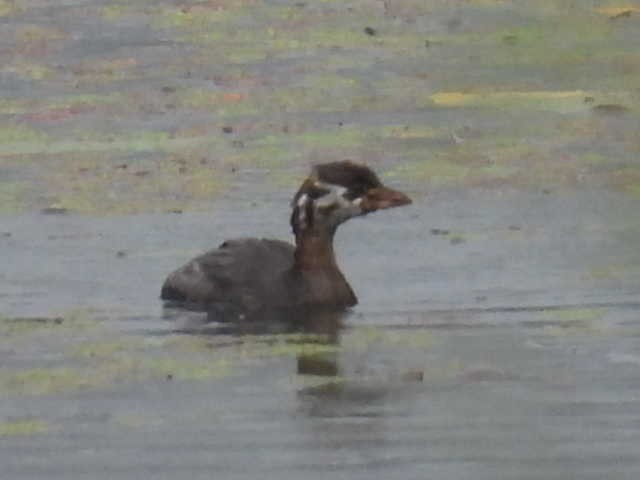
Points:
[[302, 210], [330, 209], [335, 196]]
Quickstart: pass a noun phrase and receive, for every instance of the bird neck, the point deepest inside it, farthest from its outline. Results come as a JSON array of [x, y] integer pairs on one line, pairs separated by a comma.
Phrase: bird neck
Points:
[[314, 250], [316, 272]]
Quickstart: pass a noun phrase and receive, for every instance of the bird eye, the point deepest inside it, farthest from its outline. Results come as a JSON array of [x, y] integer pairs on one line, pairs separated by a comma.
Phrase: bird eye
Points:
[[355, 192], [315, 191]]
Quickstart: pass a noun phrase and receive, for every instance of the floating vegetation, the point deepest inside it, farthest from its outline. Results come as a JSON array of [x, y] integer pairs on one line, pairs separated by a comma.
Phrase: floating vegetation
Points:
[[558, 101], [621, 11], [21, 428], [74, 321], [7, 7], [277, 85]]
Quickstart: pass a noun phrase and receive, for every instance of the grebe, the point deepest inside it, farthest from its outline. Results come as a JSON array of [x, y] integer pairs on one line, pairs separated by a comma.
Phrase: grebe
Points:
[[245, 277]]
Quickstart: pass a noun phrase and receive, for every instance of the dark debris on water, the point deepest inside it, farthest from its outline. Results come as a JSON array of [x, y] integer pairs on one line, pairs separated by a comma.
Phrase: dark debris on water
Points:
[[54, 211]]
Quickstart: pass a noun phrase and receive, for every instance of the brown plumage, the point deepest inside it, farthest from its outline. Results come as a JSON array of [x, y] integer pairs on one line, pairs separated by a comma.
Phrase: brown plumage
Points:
[[244, 278]]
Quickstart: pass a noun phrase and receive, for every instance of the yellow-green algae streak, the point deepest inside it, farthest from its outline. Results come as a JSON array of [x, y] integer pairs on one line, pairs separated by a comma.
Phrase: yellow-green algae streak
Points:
[[23, 428]]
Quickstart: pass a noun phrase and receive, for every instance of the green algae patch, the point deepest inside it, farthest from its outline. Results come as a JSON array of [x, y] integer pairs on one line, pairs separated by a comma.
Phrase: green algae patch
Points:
[[32, 36], [12, 196], [30, 71], [411, 132], [51, 109], [20, 134], [116, 12], [364, 338], [78, 319], [87, 100], [537, 159], [109, 364], [575, 314], [46, 381], [106, 71], [98, 183], [616, 271], [108, 349], [105, 373], [197, 344], [564, 102], [409, 339], [286, 348], [227, 103], [575, 328], [626, 179], [12, 106], [29, 142], [634, 189], [196, 17], [19, 139], [23, 428], [18, 326], [75, 321], [575, 321], [8, 7], [314, 384], [617, 11], [557, 101], [249, 347]]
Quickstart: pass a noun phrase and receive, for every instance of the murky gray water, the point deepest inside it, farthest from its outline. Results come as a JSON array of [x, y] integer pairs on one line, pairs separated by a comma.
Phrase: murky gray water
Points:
[[498, 330], [505, 349]]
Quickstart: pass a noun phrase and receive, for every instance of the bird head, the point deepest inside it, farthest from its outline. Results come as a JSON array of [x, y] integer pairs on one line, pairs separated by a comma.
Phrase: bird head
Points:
[[335, 192]]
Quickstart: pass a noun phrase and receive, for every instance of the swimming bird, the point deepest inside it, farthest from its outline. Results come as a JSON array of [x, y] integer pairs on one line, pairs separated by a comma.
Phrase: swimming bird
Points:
[[245, 277]]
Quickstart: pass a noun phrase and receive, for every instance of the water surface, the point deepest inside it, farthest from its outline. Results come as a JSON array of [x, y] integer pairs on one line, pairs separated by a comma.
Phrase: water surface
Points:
[[497, 330]]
